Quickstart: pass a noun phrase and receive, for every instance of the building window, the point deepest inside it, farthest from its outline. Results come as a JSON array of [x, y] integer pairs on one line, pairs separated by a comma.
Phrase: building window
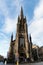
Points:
[[21, 42]]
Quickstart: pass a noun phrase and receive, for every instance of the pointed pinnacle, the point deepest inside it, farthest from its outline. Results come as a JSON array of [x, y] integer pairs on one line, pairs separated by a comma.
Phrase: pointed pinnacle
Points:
[[21, 14]]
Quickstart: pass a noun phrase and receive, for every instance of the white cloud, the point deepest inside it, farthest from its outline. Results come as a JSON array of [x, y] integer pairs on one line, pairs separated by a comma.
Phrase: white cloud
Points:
[[10, 25], [3, 7], [36, 27], [4, 47], [4, 44], [38, 12]]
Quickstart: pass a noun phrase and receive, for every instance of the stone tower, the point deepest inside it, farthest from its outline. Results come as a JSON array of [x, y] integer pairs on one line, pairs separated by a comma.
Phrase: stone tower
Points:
[[22, 43], [30, 49], [11, 55], [19, 48]]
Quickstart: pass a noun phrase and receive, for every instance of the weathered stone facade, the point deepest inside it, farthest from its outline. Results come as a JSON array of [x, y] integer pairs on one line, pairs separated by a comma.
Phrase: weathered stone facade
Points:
[[20, 47]]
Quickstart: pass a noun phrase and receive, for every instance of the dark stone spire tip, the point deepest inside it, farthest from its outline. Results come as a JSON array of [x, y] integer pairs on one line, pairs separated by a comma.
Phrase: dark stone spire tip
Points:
[[21, 13]]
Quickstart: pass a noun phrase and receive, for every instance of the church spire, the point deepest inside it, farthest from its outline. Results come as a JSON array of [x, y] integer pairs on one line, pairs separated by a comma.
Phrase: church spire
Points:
[[12, 37], [21, 13], [30, 38]]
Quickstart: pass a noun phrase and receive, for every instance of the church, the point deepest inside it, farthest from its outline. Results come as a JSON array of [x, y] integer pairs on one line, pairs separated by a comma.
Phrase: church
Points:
[[20, 48]]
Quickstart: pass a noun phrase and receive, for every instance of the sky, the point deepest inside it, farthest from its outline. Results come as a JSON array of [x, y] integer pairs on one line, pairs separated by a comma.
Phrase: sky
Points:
[[9, 11]]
